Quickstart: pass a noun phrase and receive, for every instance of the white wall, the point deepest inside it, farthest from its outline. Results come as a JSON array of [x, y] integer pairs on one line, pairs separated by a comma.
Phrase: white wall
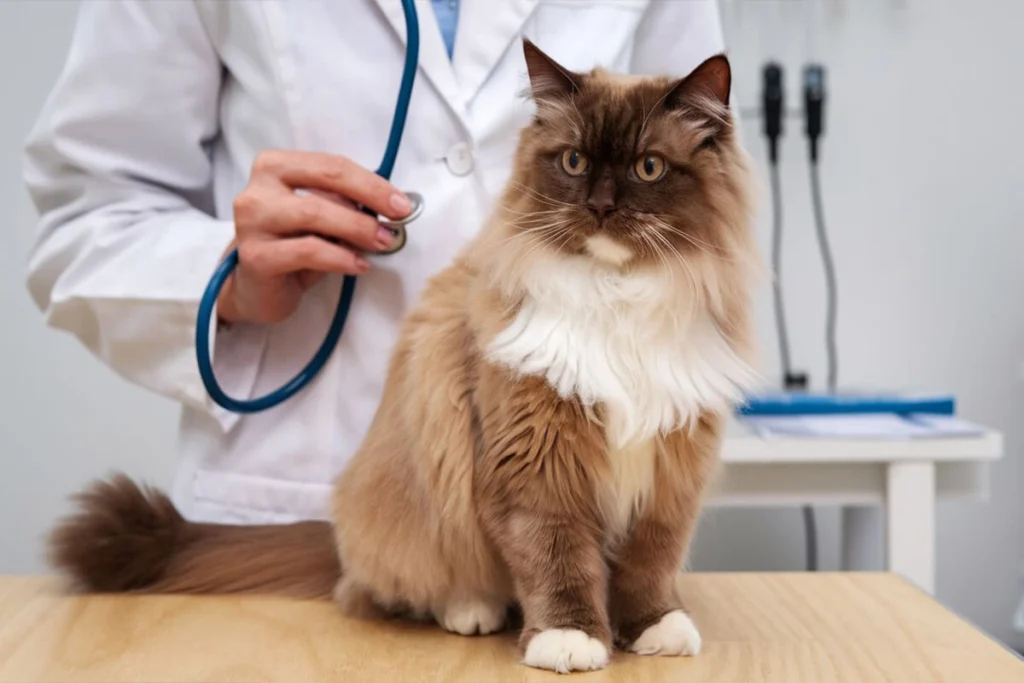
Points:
[[64, 418], [921, 170]]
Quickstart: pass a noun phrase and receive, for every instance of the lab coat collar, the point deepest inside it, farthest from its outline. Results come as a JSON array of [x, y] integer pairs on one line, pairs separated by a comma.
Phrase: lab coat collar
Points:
[[485, 31], [434, 62]]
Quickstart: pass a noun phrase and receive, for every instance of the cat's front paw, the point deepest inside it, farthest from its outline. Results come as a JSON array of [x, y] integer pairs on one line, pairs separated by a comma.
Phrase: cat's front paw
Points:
[[471, 617], [565, 650], [674, 635]]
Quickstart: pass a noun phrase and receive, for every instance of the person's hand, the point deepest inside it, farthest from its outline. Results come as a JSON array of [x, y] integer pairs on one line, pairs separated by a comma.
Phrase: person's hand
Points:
[[287, 241]]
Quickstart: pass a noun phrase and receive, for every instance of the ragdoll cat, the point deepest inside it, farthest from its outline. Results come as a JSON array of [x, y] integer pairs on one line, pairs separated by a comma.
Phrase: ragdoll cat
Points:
[[553, 408]]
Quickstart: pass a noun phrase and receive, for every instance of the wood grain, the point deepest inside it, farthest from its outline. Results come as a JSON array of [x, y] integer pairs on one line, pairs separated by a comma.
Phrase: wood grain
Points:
[[771, 628]]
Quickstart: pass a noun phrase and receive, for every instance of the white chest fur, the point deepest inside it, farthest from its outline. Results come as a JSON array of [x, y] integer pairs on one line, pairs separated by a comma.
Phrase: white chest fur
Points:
[[637, 344]]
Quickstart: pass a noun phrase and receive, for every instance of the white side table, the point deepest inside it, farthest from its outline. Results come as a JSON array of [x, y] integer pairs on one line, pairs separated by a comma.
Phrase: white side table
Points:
[[904, 476]]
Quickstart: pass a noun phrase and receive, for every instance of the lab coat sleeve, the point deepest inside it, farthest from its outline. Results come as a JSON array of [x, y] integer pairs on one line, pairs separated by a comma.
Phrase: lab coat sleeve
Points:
[[119, 170], [675, 37]]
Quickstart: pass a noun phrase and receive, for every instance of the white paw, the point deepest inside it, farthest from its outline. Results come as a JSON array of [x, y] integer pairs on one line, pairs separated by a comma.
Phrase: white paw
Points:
[[674, 635], [565, 650], [471, 617]]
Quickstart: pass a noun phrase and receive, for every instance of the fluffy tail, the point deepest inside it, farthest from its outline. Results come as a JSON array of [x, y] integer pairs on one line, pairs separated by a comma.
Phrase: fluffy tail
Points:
[[127, 538]]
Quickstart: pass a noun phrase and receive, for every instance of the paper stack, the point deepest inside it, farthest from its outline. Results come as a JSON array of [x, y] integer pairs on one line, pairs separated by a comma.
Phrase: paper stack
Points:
[[862, 426]]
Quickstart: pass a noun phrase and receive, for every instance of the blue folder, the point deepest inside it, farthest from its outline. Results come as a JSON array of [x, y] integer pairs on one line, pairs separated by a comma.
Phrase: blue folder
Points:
[[803, 403]]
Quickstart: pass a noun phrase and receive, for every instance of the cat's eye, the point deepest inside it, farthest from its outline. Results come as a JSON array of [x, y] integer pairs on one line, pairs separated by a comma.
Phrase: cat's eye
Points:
[[650, 167], [574, 163]]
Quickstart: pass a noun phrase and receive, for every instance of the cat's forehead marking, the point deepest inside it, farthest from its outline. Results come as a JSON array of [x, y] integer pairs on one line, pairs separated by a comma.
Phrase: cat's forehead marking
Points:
[[618, 110]]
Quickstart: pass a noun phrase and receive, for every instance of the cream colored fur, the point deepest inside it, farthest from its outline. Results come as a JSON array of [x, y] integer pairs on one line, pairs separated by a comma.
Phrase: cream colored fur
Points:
[[631, 483], [604, 248]]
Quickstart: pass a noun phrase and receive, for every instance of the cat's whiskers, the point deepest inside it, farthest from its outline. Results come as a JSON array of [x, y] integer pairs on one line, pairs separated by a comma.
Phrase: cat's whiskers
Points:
[[670, 250], [538, 220], [660, 221], [661, 257], [536, 246], [551, 201], [564, 232], [710, 249], [548, 201], [529, 221], [517, 233], [514, 212], [648, 236], [556, 228], [696, 244], [569, 234], [538, 233], [689, 273]]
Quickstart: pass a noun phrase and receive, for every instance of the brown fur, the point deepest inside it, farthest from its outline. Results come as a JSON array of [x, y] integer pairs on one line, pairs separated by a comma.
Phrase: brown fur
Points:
[[644, 567], [477, 486], [127, 538]]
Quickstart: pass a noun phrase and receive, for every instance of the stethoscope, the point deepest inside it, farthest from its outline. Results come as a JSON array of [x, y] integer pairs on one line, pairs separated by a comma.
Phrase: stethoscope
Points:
[[348, 287]]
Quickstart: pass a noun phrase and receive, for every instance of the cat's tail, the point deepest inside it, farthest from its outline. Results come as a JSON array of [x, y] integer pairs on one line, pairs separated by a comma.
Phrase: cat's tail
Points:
[[129, 538]]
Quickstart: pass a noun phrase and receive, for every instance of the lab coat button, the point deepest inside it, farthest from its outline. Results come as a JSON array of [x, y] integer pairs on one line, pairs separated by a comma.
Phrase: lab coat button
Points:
[[459, 159]]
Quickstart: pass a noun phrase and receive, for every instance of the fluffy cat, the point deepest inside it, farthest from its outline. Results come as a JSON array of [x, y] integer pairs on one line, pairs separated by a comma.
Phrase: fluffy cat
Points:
[[553, 409]]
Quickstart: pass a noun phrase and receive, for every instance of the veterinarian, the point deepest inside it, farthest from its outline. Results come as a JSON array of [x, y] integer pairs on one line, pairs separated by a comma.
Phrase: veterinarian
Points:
[[179, 130]]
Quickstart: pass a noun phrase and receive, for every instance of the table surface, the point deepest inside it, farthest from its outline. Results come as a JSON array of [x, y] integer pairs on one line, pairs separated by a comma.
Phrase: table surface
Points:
[[771, 628], [743, 446]]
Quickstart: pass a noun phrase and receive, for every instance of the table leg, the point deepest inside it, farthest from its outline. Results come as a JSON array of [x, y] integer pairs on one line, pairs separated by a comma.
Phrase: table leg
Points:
[[910, 522], [862, 534]]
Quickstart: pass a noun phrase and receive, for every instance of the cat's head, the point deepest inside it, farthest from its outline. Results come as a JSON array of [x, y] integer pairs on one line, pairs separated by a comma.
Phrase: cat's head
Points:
[[630, 169]]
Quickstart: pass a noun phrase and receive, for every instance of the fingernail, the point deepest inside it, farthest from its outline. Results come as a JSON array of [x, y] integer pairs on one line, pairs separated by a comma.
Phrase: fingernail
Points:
[[362, 265], [400, 203], [385, 238]]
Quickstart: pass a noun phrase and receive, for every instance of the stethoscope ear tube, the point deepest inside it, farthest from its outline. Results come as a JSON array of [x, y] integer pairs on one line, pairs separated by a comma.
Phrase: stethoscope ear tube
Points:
[[208, 302]]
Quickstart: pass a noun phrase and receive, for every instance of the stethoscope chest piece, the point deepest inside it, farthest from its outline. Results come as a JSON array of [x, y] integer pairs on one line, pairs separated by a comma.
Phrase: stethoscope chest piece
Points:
[[397, 227]]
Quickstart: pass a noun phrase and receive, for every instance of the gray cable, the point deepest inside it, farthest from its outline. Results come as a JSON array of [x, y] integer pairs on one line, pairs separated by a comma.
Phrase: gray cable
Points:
[[780, 313], [810, 539], [832, 312], [810, 527], [831, 317]]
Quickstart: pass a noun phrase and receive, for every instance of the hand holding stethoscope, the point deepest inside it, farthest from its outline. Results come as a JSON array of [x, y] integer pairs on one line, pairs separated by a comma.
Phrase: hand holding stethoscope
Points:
[[298, 219], [278, 276]]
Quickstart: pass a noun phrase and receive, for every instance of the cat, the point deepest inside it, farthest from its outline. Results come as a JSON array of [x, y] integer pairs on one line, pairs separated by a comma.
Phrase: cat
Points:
[[553, 408]]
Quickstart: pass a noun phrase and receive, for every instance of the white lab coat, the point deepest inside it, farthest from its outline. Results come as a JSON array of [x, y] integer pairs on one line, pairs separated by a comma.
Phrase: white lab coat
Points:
[[151, 132]]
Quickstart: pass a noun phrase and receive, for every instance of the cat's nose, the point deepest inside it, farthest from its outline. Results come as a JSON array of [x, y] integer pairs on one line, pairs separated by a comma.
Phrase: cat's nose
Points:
[[602, 195], [601, 206]]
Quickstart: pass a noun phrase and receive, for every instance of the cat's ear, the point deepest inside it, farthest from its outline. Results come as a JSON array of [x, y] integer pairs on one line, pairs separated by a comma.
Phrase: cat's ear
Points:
[[548, 78], [712, 79]]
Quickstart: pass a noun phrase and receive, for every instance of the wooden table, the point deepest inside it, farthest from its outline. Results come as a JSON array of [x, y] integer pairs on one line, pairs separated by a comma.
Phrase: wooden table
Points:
[[770, 628]]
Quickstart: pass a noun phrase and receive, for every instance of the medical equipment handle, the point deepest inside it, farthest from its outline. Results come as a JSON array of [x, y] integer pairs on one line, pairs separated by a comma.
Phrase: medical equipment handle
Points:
[[220, 275]]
